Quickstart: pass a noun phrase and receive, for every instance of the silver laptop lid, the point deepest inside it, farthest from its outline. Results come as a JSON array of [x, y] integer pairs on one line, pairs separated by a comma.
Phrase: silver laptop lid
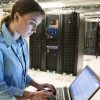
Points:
[[85, 85]]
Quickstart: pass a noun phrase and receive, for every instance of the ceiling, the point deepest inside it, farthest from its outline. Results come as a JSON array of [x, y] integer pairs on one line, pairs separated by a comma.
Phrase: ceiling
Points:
[[90, 8], [66, 2], [74, 2]]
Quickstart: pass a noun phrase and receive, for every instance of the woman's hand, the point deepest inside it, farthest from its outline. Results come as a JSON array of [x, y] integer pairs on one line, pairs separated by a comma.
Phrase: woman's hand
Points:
[[41, 95], [49, 87], [39, 87], [26, 95]]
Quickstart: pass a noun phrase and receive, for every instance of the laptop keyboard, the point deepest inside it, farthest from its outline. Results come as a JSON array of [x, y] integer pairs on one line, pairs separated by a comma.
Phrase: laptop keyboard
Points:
[[62, 94]]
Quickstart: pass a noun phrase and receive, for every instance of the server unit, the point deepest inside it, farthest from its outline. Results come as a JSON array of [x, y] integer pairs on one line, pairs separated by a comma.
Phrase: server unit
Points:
[[37, 47], [53, 39], [90, 38], [97, 49], [45, 46], [72, 43]]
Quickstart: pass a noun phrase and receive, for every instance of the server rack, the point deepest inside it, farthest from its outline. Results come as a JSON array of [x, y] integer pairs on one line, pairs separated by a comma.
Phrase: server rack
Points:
[[45, 47], [37, 48], [97, 49], [90, 38], [73, 43], [58, 44], [53, 39]]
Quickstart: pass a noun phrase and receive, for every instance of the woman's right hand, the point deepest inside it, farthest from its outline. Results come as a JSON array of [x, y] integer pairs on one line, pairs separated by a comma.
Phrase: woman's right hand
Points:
[[41, 95], [26, 95]]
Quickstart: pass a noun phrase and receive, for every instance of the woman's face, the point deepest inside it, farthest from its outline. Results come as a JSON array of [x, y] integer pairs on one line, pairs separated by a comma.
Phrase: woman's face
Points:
[[26, 25]]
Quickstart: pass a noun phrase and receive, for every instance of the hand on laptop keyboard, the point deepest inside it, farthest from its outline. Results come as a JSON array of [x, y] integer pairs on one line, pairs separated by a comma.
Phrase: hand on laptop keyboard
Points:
[[52, 97], [47, 87], [54, 93]]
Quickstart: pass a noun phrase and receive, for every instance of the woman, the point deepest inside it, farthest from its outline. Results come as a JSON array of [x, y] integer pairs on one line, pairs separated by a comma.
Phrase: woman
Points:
[[14, 56]]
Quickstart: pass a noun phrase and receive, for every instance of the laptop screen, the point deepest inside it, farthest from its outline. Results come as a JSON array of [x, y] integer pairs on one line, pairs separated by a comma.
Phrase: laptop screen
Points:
[[84, 86]]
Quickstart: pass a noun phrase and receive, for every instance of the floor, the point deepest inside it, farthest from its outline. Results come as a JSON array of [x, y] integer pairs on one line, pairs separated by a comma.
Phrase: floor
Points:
[[61, 80]]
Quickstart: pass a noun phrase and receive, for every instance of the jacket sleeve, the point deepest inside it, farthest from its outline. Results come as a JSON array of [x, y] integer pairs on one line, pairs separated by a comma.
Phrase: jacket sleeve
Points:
[[28, 80], [4, 88]]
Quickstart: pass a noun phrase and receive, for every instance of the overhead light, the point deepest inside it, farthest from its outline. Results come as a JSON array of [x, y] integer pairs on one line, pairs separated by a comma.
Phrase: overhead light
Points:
[[92, 13], [1, 10], [51, 4], [93, 20]]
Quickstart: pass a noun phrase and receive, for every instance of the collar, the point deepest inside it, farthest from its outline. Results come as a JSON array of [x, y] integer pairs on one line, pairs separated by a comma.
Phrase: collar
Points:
[[8, 37]]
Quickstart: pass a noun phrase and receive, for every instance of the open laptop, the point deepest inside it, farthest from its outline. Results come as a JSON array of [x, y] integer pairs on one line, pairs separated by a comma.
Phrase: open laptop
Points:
[[82, 88]]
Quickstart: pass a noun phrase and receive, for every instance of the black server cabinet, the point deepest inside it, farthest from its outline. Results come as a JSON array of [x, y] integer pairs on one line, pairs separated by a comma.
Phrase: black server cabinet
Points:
[[90, 38], [53, 39], [97, 49], [58, 44], [37, 47], [72, 43]]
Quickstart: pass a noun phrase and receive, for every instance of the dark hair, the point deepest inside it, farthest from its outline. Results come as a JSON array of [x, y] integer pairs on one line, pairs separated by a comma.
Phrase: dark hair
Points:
[[23, 7]]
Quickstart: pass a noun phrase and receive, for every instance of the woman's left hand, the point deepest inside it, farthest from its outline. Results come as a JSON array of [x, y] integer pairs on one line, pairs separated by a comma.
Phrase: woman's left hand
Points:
[[49, 87]]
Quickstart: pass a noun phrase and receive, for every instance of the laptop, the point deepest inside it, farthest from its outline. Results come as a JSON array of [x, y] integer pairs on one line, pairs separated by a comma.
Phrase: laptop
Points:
[[83, 87]]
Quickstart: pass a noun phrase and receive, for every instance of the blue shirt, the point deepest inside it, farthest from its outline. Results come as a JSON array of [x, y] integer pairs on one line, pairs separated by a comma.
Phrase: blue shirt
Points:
[[14, 63]]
